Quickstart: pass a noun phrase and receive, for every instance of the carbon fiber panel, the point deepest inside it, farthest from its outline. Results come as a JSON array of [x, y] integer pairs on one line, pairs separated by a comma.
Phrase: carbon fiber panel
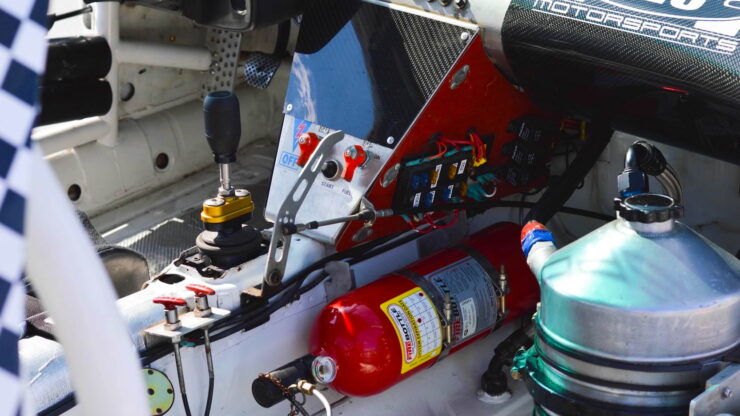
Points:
[[671, 78], [697, 60]]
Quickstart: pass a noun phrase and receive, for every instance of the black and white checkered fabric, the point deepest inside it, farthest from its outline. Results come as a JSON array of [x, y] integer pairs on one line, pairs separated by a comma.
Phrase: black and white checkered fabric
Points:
[[22, 60]]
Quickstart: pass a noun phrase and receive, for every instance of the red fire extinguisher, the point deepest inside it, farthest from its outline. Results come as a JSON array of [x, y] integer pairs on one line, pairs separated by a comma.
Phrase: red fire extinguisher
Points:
[[382, 333]]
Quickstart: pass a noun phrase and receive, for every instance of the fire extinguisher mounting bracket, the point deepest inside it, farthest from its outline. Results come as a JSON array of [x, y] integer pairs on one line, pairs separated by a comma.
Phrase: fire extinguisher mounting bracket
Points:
[[341, 279]]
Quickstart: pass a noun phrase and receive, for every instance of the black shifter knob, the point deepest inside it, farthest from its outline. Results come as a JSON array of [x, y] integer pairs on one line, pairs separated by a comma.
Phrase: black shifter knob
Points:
[[223, 125]]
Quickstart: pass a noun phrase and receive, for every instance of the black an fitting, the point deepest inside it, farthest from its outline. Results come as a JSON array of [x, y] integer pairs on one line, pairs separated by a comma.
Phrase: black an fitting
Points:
[[494, 381], [640, 160], [645, 157]]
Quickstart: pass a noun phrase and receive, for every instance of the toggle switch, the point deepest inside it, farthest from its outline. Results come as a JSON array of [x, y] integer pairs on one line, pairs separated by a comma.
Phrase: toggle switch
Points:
[[307, 142], [170, 310], [354, 157], [201, 299]]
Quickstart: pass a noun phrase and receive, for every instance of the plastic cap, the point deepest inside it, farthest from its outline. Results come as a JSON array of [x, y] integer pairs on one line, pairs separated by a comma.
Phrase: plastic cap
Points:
[[200, 290], [169, 302]]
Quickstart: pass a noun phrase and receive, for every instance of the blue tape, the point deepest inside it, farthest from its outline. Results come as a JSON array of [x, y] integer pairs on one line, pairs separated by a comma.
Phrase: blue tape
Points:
[[534, 237]]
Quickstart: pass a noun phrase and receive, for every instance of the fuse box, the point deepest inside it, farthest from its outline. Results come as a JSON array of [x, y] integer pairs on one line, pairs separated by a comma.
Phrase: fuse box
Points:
[[426, 181]]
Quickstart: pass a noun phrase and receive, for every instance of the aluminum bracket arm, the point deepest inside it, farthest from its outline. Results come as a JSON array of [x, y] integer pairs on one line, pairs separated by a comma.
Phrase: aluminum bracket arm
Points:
[[276, 259]]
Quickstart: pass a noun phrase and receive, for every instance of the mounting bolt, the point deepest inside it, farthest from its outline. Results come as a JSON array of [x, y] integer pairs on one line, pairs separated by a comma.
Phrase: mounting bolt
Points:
[[726, 393], [274, 278], [465, 36], [461, 4]]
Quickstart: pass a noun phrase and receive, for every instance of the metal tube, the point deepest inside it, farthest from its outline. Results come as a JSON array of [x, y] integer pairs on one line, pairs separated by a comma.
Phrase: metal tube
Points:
[[64, 275], [53, 139], [211, 377], [224, 174], [181, 378], [209, 356], [173, 56], [448, 319], [503, 282]]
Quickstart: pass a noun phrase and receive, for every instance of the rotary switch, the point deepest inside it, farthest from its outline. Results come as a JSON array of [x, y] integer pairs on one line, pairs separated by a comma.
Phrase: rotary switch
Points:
[[354, 157], [307, 142]]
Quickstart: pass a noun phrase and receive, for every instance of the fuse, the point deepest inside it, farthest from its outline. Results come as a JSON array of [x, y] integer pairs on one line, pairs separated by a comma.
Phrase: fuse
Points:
[[452, 171], [429, 199]]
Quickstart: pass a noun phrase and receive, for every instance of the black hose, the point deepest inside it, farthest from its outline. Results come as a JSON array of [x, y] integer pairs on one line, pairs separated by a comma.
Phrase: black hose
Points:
[[186, 404], [209, 400], [494, 381], [53, 18], [558, 193], [363, 256], [298, 406], [243, 320], [503, 204]]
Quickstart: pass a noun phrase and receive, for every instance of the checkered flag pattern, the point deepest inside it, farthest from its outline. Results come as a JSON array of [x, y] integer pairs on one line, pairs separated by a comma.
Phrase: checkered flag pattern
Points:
[[22, 59]]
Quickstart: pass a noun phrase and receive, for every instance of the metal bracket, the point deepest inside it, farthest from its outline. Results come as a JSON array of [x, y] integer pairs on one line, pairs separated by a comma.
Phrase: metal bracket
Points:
[[189, 323], [260, 68], [288, 211], [340, 281], [224, 46], [722, 394]]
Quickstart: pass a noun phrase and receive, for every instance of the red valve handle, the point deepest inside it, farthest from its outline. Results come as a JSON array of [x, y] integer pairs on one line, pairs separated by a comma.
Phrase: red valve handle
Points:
[[169, 302], [307, 142], [354, 157], [200, 290]]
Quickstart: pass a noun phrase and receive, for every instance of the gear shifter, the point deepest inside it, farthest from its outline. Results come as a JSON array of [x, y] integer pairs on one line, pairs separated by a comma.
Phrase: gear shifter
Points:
[[223, 132], [226, 240]]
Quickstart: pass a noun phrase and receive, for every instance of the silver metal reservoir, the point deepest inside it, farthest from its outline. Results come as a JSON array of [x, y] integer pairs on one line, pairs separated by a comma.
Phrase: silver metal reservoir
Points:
[[634, 317], [642, 293]]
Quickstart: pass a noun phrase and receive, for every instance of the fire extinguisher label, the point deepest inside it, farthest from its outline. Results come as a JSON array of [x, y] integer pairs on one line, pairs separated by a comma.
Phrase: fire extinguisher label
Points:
[[417, 325], [469, 318]]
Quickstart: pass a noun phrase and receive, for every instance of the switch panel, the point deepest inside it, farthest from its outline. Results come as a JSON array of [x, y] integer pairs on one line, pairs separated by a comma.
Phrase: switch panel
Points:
[[330, 196]]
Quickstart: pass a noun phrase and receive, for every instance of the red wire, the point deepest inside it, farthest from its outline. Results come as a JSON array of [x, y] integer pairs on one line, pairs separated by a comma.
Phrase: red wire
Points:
[[442, 227], [441, 148], [415, 229], [479, 146]]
